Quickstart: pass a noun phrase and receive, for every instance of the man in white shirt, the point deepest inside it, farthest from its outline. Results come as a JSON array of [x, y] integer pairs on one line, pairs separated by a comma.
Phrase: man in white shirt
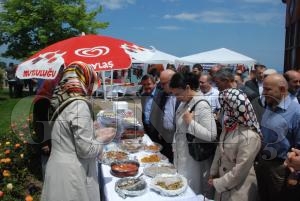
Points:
[[210, 93]]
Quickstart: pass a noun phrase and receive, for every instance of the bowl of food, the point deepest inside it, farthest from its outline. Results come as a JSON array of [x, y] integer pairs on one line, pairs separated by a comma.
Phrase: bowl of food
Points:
[[153, 147], [126, 168], [113, 156], [169, 184], [130, 186], [131, 145], [159, 168], [147, 159]]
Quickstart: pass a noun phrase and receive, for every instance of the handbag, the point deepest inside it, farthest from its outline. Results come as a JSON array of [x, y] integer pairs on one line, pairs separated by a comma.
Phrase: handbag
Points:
[[199, 149]]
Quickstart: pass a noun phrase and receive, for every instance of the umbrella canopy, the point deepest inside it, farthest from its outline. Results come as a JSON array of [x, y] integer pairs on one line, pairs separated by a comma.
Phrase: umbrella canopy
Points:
[[102, 52], [220, 56]]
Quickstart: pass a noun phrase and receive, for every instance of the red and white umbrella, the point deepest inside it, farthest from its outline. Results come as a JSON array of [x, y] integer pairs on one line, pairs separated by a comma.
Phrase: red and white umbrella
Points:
[[102, 52]]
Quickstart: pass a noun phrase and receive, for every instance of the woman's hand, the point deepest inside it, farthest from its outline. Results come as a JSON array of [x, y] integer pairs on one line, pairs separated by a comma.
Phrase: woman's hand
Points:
[[105, 135], [188, 117], [210, 181]]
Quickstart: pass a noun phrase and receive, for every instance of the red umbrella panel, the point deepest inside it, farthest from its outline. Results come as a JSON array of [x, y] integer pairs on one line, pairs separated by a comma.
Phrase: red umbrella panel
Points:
[[102, 52]]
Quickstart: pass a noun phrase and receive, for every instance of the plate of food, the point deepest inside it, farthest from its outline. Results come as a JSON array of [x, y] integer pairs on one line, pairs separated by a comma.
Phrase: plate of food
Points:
[[169, 184], [147, 159], [159, 168], [108, 118], [131, 145], [112, 156], [153, 147], [126, 168], [130, 186]]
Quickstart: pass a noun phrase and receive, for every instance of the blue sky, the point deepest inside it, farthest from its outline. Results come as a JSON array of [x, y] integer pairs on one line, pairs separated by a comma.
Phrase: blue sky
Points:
[[255, 28]]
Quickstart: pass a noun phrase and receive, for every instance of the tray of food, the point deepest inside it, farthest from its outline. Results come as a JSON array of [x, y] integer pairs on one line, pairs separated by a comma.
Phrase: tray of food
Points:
[[169, 184], [126, 168], [113, 156], [131, 145], [132, 133], [107, 118], [154, 158], [159, 168], [153, 147], [130, 186]]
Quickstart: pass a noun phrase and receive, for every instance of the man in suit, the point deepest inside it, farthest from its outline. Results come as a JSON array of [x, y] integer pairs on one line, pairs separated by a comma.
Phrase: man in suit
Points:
[[255, 85], [149, 101], [166, 114], [253, 88]]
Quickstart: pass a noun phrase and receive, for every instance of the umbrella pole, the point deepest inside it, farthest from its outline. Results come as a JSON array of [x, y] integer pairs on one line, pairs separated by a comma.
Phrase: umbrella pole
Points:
[[111, 83], [104, 84]]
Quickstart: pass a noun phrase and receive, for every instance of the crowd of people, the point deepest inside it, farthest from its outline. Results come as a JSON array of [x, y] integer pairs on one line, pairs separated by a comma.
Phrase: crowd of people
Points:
[[258, 146], [257, 155]]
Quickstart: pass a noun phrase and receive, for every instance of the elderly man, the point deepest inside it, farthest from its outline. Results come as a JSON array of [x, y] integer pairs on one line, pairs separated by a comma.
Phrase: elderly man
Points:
[[166, 115], [280, 126], [224, 79], [293, 79]]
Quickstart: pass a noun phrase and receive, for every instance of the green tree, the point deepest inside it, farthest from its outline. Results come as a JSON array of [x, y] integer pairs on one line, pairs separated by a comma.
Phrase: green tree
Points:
[[2, 64], [27, 26]]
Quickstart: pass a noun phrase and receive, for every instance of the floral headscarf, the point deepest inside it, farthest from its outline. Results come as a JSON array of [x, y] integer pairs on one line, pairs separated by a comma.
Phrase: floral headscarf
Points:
[[79, 81], [237, 109]]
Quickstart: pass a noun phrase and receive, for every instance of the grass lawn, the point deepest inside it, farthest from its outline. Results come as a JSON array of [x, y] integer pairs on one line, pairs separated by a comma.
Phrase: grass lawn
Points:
[[11, 109], [18, 180]]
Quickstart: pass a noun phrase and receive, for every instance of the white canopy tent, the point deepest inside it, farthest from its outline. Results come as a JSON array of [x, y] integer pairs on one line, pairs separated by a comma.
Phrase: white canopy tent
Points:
[[148, 56], [217, 56], [157, 57]]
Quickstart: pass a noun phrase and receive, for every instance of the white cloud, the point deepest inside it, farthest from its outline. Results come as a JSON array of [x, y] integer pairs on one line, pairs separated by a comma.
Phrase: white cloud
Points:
[[228, 17], [170, 27], [217, 17], [116, 4], [261, 18], [183, 16]]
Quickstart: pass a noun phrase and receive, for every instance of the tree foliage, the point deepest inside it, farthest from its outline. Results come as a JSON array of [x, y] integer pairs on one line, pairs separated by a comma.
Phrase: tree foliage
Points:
[[27, 26]]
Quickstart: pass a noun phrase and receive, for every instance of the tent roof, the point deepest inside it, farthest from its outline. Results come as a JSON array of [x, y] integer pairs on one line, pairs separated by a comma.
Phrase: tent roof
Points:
[[220, 56], [157, 57]]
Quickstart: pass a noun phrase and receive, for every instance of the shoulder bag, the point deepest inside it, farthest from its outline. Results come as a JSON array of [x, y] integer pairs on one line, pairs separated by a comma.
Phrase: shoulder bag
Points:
[[199, 149]]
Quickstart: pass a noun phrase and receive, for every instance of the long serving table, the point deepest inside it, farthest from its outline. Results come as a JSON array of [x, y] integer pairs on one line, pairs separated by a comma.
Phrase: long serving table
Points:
[[108, 193]]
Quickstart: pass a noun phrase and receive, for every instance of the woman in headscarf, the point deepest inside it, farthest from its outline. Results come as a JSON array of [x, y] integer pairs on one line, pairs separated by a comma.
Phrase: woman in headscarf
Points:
[[71, 169], [232, 173]]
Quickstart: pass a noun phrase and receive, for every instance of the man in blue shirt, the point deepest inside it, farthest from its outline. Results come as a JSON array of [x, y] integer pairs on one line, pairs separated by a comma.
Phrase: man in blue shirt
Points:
[[280, 126], [149, 104]]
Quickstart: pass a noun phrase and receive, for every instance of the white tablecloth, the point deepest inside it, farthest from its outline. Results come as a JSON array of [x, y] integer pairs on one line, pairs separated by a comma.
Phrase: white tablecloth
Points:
[[108, 184]]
